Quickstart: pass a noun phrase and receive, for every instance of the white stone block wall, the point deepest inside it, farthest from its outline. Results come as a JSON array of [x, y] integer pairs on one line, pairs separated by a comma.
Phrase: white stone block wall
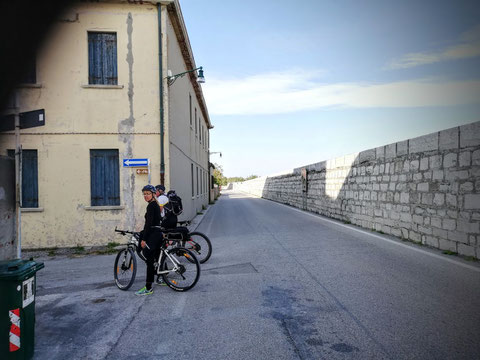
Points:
[[425, 189]]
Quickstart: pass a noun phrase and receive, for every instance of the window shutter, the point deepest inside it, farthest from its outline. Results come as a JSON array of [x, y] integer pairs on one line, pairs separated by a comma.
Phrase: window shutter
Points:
[[94, 59], [97, 177], [29, 177], [102, 58], [111, 180], [110, 59], [104, 181]]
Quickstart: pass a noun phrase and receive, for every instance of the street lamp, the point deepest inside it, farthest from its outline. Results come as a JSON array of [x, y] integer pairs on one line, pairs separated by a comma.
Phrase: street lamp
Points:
[[200, 78], [215, 152]]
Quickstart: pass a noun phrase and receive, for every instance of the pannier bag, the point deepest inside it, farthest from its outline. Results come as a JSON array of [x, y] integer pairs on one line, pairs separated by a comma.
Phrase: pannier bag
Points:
[[179, 233]]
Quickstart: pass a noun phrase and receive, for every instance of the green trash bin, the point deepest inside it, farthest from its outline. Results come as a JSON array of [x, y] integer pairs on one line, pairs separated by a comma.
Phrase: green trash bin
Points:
[[17, 308]]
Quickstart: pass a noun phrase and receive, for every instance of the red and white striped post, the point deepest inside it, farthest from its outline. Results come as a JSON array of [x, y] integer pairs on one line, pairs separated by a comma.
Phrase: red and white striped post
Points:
[[14, 329]]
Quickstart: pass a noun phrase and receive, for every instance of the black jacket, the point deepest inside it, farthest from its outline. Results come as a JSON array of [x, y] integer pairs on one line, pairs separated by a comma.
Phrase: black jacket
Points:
[[152, 218]]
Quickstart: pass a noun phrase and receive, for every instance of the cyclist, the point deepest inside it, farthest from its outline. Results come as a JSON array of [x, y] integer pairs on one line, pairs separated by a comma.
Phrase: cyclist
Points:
[[169, 219], [150, 238], [162, 199]]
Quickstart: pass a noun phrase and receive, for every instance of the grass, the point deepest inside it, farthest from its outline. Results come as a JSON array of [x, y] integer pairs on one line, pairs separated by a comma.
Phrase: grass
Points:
[[79, 249], [111, 245], [53, 251], [448, 252], [111, 248]]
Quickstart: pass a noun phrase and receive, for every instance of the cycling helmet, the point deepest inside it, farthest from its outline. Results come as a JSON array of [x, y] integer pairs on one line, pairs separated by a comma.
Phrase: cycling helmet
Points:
[[150, 188]]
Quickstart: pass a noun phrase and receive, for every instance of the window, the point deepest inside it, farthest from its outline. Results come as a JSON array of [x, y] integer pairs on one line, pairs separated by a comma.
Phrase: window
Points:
[[200, 126], [190, 98], [104, 177], [196, 131], [102, 58], [29, 177], [193, 186], [197, 180], [201, 181]]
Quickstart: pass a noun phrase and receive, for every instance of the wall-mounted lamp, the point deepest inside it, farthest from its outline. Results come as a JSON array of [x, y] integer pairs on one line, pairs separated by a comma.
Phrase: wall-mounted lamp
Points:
[[215, 152], [200, 78]]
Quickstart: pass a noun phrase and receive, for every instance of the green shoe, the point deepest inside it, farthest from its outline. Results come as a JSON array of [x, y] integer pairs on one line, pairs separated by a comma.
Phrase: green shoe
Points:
[[144, 291]]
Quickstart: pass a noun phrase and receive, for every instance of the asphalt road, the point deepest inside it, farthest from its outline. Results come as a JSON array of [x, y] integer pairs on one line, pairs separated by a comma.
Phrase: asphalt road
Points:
[[281, 284]]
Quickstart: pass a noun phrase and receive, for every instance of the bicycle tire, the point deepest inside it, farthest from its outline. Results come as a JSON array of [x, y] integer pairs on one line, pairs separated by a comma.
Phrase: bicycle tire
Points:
[[188, 274], [125, 269], [200, 245]]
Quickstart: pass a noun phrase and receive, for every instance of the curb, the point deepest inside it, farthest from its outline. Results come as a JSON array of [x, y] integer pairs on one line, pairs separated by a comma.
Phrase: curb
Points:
[[197, 220]]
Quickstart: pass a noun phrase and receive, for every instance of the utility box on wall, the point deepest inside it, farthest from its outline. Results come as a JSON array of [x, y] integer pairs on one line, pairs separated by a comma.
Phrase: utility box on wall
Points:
[[8, 248], [304, 180]]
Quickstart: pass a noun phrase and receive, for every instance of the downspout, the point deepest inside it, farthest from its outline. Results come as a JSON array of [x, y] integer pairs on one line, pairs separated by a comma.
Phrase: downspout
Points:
[[162, 114]]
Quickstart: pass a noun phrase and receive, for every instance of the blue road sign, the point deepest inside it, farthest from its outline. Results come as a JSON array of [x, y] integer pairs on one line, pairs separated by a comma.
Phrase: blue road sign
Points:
[[135, 162]]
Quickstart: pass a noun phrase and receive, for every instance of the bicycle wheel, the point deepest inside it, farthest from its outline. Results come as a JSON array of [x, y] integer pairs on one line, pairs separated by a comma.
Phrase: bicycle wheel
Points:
[[187, 268], [200, 245], [125, 269]]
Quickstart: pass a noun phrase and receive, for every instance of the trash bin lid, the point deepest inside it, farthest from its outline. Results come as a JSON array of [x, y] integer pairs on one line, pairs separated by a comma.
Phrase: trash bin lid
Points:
[[18, 269]]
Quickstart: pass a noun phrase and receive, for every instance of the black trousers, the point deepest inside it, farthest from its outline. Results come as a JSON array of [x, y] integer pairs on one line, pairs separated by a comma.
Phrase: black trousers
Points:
[[151, 252]]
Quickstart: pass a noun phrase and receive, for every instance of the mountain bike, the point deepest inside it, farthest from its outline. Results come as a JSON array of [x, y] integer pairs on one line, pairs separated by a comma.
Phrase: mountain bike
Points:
[[179, 267], [195, 241]]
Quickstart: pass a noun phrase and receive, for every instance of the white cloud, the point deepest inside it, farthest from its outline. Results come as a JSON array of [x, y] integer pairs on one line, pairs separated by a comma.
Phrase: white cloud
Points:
[[297, 90], [467, 47]]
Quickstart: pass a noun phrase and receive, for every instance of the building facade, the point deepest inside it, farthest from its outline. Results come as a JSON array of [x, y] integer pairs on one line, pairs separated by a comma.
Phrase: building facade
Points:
[[101, 79]]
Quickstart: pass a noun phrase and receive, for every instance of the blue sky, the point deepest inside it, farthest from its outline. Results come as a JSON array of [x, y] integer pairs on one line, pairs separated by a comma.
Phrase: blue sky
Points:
[[290, 83]]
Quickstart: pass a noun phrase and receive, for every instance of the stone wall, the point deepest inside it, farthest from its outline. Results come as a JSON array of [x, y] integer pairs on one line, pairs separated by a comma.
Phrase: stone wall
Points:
[[425, 189]]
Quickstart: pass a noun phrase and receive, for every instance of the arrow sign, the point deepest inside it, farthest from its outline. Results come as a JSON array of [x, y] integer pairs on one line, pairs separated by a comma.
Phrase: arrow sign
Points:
[[135, 162]]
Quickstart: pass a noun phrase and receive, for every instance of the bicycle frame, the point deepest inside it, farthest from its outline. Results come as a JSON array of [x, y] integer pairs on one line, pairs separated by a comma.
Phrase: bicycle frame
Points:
[[176, 264]]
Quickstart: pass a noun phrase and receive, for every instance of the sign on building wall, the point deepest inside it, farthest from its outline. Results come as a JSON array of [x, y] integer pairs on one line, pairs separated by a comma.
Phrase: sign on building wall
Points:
[[135, 162]]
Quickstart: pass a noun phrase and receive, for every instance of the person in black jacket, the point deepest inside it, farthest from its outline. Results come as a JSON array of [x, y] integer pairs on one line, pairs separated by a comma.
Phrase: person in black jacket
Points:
[[150, 237]]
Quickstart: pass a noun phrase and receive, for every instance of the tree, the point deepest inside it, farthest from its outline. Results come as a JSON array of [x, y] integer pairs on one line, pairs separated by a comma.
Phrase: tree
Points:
[[218, 177]]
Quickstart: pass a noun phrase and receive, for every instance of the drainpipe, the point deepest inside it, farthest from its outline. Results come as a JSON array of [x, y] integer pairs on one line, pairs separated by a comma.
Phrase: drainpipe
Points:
[[162, 114], [18, 177]]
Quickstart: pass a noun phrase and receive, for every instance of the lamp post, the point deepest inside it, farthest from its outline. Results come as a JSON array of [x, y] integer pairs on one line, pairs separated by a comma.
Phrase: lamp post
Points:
[[215, 152], [200, 78]]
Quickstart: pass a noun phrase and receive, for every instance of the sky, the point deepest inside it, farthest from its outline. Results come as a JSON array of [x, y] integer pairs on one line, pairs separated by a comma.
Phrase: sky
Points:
[[291, 83]]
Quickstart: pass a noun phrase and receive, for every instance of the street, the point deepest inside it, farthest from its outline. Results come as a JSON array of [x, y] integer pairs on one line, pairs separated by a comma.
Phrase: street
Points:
[[281, 284]]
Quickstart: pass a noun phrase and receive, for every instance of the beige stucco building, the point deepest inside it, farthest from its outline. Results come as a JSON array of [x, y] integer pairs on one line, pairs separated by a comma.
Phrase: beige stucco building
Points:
[[102, 80]]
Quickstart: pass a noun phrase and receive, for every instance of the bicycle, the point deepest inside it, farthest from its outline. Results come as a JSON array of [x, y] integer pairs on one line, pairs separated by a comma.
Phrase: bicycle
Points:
[[195, 241], [179, 267]]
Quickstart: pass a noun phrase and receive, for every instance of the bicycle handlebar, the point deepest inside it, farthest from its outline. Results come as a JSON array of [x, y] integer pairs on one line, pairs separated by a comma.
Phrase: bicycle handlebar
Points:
[[124, 232]]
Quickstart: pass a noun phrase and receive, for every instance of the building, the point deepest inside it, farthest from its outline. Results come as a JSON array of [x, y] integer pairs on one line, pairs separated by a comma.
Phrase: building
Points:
[[102, 80]]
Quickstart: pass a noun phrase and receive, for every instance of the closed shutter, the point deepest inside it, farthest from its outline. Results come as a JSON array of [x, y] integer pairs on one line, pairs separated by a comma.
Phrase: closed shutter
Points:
[[104, 177], [102, 58], [29, 177]]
